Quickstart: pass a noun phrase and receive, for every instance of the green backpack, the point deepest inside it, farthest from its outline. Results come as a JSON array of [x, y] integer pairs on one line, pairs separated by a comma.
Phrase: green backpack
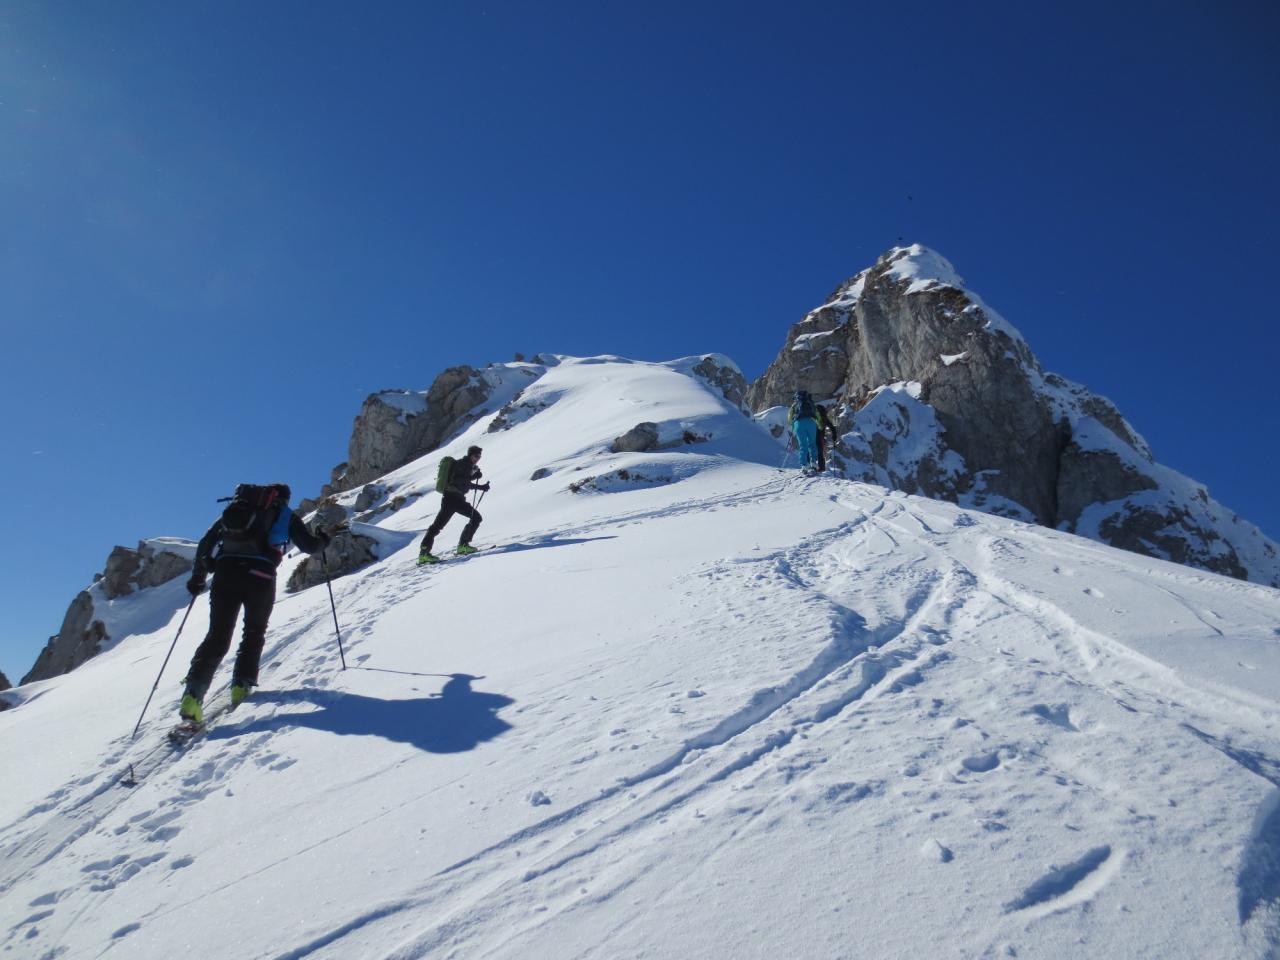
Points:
[[442, 474]]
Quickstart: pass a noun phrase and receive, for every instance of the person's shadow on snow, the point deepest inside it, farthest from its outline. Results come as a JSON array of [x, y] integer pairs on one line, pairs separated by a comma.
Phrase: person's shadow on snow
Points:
[[455, 720]]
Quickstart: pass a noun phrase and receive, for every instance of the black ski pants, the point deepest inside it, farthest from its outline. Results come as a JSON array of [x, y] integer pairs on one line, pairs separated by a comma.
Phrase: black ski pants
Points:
[[236, 583], [822, 448], [454, 502]]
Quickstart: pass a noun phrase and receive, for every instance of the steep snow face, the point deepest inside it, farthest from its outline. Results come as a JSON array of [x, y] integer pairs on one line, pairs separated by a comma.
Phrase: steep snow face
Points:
[[734, 713]]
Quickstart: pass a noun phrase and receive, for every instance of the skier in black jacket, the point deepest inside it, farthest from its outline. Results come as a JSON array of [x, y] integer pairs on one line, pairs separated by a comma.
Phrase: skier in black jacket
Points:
[[244, 575], [462, 480], [825, 428]]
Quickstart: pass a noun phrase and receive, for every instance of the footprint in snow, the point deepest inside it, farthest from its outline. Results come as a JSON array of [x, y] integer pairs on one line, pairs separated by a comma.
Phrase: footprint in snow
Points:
[[1094, 592], [1059, 714], [538, 799], [981, 762]]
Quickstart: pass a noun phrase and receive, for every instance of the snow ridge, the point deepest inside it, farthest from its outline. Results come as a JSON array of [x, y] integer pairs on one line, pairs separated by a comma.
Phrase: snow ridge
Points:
[[740, 714]]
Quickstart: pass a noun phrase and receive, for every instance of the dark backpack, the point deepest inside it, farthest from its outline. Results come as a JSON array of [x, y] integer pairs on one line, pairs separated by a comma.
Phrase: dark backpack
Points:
[[442, 474], [248, 517], [804, 406]]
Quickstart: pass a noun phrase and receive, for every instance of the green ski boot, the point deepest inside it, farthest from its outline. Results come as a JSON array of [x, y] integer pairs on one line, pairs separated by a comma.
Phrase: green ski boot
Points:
[[190, 710], [424, 558], [239, 693], [465, 549]]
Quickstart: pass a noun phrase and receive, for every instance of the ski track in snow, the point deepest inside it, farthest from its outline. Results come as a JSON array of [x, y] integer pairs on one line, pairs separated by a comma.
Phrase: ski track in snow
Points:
[[80, 808], [857, 665], [955, 628]]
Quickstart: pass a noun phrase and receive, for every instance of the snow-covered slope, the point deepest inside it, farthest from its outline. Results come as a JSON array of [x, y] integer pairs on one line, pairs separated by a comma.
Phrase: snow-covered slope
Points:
[[702, 707]]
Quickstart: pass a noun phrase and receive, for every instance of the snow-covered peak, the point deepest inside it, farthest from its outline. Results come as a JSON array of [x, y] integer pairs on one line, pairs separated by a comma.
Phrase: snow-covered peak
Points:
[[922, 267], [409, 403]]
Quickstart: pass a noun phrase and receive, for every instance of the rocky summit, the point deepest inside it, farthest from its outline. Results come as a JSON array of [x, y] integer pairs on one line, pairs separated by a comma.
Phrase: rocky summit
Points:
[[936, 394]]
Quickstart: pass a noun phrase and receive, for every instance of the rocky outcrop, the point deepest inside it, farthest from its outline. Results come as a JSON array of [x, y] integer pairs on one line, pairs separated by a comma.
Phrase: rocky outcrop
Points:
[[724, 375], [83, 632], [935, 393], [154, 562], [347, 552], [80, 637], [641, 437], [397, 426]]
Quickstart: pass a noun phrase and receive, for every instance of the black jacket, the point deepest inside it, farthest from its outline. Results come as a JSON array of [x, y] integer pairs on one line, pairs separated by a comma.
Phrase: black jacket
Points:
[[268, 556], [463, 476], [824, 423]]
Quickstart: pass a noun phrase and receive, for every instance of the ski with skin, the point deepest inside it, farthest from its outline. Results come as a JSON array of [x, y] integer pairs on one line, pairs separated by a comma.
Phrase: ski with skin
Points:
[[456, 558], [188, 730], [175, 740]]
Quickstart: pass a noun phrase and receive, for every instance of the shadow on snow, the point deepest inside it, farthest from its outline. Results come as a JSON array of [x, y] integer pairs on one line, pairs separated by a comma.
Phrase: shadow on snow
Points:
[[455, 720]]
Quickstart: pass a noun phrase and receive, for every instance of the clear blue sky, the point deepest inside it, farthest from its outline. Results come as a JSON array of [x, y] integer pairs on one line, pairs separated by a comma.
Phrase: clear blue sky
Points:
[[222, 224]]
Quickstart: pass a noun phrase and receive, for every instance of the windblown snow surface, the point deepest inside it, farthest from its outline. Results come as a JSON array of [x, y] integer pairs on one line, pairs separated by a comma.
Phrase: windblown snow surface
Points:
[[702, 708]]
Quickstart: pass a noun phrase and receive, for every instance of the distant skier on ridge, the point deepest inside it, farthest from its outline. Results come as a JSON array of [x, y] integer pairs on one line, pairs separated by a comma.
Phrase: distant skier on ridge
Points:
[[251, 537], [455, 479], [803, 419]]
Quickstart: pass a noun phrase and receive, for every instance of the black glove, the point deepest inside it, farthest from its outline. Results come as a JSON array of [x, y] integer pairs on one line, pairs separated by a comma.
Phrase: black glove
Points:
[[195, 586], [485, 488]]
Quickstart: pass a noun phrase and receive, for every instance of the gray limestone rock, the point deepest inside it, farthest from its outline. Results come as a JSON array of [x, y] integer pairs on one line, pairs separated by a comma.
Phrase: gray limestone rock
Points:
[[80, 637], [934, 393], [154, 562], [397, 426], [641, 437], [725, 377], [83, 634], [347, 552], [369, 495]]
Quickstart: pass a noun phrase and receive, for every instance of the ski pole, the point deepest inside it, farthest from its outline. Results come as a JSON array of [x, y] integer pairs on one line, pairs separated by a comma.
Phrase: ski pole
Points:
[[791, 443], [334, 607], [155, 685]]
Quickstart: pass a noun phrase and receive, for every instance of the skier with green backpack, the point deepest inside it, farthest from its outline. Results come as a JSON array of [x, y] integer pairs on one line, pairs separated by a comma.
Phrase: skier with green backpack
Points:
[[802, 416], [455, 478]]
